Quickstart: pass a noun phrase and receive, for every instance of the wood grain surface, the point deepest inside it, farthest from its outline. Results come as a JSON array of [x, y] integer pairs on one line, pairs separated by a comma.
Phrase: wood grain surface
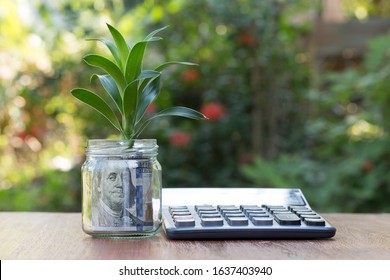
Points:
[[46, 236]]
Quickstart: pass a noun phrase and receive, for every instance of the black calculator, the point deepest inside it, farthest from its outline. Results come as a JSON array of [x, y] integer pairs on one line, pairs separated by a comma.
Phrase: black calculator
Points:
[[271, 214]]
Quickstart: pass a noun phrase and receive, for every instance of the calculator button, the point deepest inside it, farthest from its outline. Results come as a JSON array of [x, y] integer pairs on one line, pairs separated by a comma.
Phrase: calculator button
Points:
[[176, 210], [310, 213], [210, 222], [315, 216], [258, 211], [297, 208], [237, 221], [228, 212], [257, 215], [279, 211], [226, 207], [188, 222], [204, 207], [249, 207], [217, 215], [177, 207], [180, 213], [262, 221], [302, 211], [315, 222], [181, 217], [287, 219], [237, 215], [201, 212], [273, 207]]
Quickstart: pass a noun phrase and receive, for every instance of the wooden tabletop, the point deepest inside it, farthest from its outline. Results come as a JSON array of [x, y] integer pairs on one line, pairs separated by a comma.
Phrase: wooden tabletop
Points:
[[42, 236]]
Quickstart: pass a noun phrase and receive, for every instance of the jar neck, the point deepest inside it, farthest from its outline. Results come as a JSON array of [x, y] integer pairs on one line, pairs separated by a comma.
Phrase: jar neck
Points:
[[123, 148]]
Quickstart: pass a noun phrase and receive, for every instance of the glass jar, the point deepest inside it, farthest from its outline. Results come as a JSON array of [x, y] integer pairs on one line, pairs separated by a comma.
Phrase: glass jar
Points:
[[122, 187]]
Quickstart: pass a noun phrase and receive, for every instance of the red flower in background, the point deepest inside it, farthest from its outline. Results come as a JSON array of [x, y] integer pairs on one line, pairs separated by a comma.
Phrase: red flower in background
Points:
[[190, 75], [180, 139], [367, 166], [247, 39], [213, 111], [152, 108]]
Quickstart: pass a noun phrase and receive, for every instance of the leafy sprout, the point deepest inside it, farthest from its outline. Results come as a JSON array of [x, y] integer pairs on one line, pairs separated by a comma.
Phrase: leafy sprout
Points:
[[131, 88]]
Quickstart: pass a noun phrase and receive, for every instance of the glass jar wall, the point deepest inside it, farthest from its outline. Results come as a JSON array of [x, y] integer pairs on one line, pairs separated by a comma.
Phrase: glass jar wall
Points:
[[121, 188]]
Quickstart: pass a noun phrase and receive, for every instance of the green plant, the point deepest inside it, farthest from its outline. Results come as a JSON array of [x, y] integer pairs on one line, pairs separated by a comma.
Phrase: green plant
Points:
[[131, 88]]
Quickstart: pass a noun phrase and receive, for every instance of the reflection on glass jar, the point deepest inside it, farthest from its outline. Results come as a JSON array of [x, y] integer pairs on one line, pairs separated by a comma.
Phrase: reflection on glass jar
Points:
[[121, 188]]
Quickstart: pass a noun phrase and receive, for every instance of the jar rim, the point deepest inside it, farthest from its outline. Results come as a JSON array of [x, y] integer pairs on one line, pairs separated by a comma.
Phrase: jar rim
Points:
[[146, 141], [121, 146]]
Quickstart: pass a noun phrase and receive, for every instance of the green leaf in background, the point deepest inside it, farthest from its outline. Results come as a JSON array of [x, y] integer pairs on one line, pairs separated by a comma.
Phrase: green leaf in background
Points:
[[97, 103], [270, 175], [109, 67]]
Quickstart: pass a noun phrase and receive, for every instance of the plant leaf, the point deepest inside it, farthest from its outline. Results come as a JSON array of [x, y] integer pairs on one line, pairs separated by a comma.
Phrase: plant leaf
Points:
[[177, 111], [134, 61], [162, 67], [146, 74], [113, 49], [180, 111], [153, 39], [145, 77], [97, 103], [166, 64], [147, 96], [111, 88], [135, 58], [130, 99], [109, 67], [121, 44], [151, 34]]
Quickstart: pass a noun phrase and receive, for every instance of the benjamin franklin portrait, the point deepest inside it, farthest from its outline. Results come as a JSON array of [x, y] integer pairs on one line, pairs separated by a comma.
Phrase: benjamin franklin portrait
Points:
[[114, 194]]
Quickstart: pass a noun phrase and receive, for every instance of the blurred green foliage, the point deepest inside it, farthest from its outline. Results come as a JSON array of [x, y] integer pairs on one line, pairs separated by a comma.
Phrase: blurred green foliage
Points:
[[346, 161], [269, 126]]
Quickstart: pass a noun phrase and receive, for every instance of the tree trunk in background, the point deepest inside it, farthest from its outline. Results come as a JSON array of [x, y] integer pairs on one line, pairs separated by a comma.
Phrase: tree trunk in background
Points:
[[276, 82], [273, 115], [266, 85], [257, 110]]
